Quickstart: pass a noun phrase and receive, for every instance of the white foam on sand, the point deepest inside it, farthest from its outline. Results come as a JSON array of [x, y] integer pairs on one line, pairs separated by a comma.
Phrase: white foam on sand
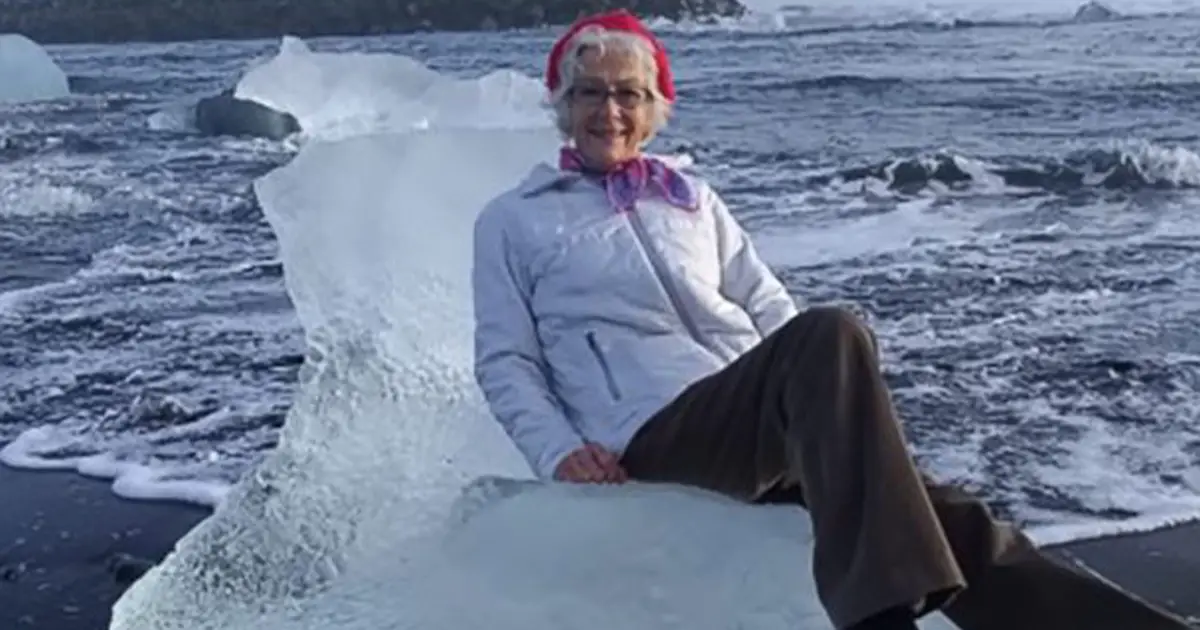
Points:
[[27, 72], [356, 521], [129, 479]]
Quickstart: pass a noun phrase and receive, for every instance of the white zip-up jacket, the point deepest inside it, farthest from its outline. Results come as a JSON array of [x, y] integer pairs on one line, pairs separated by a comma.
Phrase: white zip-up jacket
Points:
[[589, 320]]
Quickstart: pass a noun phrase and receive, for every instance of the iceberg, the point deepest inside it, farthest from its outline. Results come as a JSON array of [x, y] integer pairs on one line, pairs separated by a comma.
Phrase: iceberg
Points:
[[393, 500], [336, 95], [1093, 11], [27, 72]]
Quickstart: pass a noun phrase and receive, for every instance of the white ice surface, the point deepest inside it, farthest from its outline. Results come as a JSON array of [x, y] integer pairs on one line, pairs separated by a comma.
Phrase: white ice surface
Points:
[[334, 95], [27, 73]]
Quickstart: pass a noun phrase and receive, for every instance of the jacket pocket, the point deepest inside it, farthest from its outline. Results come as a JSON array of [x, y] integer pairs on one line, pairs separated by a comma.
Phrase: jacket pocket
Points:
[[605, 369]]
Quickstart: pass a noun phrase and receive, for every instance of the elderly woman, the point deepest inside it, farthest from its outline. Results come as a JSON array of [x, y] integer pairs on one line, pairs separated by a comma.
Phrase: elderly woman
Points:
[[627, 329]]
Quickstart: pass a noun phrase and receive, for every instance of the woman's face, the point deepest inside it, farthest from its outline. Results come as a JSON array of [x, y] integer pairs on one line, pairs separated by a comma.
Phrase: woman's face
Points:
[[611, 113]]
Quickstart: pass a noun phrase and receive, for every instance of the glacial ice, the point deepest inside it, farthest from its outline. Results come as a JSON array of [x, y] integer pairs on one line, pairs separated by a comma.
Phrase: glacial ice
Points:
[[27, 72], [336, 95]]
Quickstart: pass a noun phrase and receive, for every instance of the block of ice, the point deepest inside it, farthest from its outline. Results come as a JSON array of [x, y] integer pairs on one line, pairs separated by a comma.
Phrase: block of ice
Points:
[[334, 95], [27, 73]]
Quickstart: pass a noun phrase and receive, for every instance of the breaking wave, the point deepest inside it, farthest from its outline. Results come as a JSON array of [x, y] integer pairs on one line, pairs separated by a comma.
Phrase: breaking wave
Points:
[[1143, 167]]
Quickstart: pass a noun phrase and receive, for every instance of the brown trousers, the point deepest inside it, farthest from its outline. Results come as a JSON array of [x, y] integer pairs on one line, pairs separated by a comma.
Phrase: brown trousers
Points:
[[806, 417]]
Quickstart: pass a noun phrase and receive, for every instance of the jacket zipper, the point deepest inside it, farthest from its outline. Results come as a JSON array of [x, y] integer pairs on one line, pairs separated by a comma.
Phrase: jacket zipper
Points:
[[664, 278], [604, 367]]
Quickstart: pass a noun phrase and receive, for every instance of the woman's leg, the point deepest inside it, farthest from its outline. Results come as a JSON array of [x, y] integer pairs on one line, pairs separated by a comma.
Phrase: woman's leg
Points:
[[808, 409], [806, 415], [1013, 584]]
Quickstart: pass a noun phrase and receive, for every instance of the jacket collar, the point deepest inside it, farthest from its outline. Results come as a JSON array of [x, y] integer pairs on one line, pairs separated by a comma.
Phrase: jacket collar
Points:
[[545, 177]]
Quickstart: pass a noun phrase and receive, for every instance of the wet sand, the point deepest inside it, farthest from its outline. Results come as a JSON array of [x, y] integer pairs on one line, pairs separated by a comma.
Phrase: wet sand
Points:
[[69, 547]]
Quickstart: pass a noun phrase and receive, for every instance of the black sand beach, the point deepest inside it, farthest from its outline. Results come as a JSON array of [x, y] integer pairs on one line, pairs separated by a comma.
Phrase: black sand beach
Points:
[[66, 544]]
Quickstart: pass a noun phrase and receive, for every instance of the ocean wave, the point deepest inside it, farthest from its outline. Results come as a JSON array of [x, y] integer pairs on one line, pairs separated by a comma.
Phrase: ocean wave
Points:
[[1141, 167], [818, 19], [29, 144]]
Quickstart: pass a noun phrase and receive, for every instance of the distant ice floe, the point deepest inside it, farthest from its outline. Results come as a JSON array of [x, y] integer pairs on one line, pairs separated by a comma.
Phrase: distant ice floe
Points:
[[27, 72]]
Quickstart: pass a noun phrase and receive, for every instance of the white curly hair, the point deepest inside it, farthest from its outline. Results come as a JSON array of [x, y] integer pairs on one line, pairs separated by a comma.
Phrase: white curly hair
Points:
[[602, 39]]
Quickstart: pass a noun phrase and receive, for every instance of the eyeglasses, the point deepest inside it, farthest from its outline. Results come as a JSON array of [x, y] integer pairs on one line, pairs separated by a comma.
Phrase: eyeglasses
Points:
[[596, 95]]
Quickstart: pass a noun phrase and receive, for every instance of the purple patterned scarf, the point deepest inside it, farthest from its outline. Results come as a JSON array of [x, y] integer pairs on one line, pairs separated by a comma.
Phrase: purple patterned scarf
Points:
[[629, 182]]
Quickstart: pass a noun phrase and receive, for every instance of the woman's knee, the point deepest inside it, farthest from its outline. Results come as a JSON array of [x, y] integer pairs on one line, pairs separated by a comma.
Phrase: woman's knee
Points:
[[829, 314], [840, 323]]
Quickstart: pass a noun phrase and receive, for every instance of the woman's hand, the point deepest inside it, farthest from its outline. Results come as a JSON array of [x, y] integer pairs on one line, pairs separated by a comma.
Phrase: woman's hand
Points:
[[591, 463]]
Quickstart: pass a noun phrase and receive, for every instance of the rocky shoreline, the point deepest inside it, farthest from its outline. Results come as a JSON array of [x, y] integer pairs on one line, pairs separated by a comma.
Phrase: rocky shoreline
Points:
[[104, 21]]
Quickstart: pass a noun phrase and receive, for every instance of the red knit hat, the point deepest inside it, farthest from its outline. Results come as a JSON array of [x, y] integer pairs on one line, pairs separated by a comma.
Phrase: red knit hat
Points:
[[619, 20]]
